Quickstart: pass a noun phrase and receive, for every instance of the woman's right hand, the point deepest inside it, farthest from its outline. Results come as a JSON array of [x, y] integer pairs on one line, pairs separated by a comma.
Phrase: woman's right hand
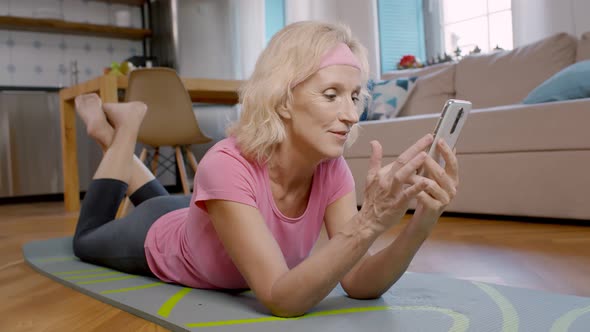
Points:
[[389, 189]]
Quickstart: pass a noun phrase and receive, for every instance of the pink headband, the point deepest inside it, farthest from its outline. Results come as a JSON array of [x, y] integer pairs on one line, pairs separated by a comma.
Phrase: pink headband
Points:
[[340, 54]]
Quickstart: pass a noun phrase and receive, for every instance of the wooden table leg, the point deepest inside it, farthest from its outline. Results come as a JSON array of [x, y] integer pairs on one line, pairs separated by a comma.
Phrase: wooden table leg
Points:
[[108, 89], [69, 155]]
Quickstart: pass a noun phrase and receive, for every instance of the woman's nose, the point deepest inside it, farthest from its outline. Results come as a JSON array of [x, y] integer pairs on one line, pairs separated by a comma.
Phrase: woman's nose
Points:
[[349, 113]]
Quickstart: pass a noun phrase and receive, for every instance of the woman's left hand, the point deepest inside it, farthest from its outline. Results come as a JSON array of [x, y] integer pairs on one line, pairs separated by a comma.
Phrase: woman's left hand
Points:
[[442, 186]]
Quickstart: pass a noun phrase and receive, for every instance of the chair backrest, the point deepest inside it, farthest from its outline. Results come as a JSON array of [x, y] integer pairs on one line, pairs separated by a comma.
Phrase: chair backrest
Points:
[[169, 120]]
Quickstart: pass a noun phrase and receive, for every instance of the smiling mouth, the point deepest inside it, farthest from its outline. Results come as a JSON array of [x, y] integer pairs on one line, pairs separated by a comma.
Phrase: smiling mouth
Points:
[[342, 134]]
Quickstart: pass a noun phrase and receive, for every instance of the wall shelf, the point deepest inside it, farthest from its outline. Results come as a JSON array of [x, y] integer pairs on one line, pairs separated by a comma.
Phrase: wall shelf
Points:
[[75, 28]]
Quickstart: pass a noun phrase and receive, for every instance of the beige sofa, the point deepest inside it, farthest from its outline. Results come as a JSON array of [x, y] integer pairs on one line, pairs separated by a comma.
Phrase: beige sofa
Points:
[[515, 159]]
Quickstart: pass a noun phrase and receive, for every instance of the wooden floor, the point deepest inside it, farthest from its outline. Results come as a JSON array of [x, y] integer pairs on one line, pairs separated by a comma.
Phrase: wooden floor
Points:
[[534, 255]]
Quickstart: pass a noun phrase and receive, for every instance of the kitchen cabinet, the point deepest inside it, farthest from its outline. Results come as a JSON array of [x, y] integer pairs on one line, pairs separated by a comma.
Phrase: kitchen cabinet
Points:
[[30, 145]]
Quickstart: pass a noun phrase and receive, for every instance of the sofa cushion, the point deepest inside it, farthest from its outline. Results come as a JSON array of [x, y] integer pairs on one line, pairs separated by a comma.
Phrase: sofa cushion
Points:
[[387, 98], [506, 77], [415, 72], [431, 92], [583, 52], [573, 82]]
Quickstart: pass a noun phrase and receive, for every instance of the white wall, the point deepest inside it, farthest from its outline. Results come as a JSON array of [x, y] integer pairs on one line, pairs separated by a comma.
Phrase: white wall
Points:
[[535, 19], [220, 38], [581, 10], [297, 10], [205, 39], [360, 16], [210, 35], [433, 34], [249, 16]]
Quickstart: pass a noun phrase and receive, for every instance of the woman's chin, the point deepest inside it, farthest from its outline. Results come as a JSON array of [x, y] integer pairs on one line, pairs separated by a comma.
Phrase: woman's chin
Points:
[[334, 151]]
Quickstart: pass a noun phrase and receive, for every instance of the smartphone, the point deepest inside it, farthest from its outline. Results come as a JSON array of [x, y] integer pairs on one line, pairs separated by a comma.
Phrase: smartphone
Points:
[[449, 125]]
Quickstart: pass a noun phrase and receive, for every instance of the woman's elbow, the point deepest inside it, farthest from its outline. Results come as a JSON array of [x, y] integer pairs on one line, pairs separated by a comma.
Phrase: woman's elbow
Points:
[[284, 309], [358, 293], [286, 313], [364, 296]]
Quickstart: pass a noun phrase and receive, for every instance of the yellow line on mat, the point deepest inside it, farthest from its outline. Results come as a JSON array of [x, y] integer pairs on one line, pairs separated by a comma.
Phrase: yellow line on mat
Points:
[[274, 318], [460, 321], [89, 276], [79, 271], [54, 259], [510, 320], [123, 290], [105, 280], [564, 322], [167, 307]]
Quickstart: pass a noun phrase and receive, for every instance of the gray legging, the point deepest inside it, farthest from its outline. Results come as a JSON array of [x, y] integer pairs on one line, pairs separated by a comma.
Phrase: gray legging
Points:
[[118, 244]]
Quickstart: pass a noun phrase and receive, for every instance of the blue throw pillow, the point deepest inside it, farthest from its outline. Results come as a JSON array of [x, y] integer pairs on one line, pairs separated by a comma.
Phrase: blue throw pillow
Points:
[[387, 98], [572, 82]]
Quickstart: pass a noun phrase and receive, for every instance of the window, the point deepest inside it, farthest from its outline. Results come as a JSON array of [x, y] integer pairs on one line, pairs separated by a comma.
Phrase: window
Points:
[[401, 31], [274, 12], [486, 24]]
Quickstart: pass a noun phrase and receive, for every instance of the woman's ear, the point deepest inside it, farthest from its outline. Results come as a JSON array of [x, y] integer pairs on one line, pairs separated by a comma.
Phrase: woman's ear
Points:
[[284, 112]]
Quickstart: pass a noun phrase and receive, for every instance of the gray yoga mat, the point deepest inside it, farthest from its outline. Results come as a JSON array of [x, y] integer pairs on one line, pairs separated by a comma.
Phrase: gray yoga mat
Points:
[[417, 302]]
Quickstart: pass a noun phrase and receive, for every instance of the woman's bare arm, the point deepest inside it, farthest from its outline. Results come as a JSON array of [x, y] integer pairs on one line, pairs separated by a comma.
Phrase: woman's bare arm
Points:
[[375, 274], [258, 257]]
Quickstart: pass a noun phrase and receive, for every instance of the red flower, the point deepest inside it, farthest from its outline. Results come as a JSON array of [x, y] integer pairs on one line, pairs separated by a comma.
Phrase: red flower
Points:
[[407, 61]]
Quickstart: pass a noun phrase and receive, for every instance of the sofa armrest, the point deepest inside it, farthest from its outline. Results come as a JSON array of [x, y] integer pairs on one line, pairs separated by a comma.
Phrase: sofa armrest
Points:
[[559, 125]]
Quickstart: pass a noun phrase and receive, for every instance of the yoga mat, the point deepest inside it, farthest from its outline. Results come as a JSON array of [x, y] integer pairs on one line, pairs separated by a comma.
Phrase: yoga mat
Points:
[[417, 302]]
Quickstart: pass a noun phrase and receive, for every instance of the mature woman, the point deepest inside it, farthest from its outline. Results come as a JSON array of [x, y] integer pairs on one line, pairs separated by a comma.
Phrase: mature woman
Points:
[[262, 195]]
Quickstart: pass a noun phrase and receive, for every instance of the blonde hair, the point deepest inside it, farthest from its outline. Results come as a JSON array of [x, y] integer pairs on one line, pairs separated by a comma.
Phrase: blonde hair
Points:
[[292, 55]]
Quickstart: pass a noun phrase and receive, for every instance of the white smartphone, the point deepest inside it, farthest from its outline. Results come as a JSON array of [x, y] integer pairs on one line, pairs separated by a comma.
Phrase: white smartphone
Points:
[[448, 128]]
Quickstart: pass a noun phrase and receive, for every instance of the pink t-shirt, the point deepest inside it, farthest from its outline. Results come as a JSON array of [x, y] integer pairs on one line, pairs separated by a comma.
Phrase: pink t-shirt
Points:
[[182, 246]]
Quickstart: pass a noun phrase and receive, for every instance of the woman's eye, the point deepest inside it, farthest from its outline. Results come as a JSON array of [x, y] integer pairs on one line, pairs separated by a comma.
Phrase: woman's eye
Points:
[[355, 99], [330, 97]]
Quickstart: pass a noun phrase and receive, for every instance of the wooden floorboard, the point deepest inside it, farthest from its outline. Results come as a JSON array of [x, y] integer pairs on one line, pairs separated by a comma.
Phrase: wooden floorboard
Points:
[[537, 255]]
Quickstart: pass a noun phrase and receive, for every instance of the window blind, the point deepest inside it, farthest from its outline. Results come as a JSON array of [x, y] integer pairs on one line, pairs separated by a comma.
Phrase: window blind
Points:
[[401, 31], [274, 12]]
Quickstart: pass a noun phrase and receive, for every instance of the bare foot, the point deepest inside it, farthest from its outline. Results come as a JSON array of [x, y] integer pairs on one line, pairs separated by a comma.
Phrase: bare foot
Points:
[[122, 115], [89, 108]]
